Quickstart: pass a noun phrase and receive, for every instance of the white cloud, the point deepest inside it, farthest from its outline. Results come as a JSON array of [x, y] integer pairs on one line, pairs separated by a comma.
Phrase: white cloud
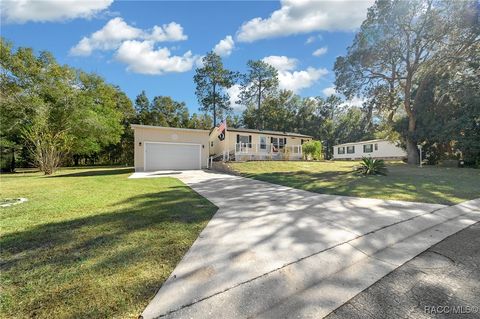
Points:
[[233, 93], [356, 101], [142, 57], [111, 36], [168, 32], [290, 79], [281, 63], [310, 39], [313, 38], [305, 16], [320, 51], [108, 38], [225, 46], [329, 91], [299, 80], [21, 11]]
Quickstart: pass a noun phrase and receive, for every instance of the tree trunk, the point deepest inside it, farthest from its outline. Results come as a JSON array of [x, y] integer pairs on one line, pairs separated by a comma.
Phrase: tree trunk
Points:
[[412, 153], [12, 164], [259, 102], [214, 108], [76, 159]]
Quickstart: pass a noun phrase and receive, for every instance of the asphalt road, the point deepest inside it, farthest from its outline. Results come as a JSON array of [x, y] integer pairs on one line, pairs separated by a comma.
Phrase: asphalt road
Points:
[[442, 282]]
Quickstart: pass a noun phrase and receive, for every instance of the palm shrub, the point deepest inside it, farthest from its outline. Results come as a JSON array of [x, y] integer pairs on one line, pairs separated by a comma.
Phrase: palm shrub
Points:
[[370, 166]]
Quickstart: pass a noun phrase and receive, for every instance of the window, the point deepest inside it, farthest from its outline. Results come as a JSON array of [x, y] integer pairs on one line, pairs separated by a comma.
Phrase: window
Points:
[[368, 148], [350, 149], [244, 140], [278, 142], [263, 143], [341, 150], [376, 147]]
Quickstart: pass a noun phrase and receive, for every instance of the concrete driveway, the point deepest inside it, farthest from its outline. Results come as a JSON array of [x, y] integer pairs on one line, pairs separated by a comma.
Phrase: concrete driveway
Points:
[[272, 251]]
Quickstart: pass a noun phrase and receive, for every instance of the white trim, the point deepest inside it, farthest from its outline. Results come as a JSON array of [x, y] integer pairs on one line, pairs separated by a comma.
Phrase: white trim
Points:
[[149, 142]]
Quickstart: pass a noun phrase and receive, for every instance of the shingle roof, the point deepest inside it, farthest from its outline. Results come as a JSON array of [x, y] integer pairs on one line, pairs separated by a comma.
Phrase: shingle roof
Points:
[[247, 130]]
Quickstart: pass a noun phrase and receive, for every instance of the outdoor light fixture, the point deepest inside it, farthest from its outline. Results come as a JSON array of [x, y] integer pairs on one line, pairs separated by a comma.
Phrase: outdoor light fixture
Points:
[[139, 143]]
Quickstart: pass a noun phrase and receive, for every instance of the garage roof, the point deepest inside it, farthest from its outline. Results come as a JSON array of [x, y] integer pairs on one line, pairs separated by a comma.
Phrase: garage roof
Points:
[[134, 126]]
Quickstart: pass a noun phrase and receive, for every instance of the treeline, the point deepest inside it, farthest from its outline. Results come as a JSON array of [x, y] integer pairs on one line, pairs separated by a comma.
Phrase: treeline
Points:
[[414, 64]]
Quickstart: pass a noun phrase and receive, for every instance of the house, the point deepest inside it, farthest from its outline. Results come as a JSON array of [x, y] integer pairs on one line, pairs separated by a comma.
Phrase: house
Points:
[[382, 149], [249, 144], [169, 148]]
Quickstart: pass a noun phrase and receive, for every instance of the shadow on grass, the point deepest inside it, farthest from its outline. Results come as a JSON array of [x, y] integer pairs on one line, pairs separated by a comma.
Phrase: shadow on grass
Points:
[[96, 172], [430, 186], [104, 265]]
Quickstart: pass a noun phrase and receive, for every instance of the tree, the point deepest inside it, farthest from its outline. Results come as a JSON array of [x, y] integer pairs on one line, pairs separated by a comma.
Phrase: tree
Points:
[[260, 81], [142, 108], [164, 111], [53, 109], [312, 150], [94, 122], [20, 69], [448, 114], [400, 46], [202, 122], [211, 81]]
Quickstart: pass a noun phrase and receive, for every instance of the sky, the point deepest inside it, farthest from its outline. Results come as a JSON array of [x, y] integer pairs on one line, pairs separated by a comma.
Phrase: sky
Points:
[[156, 45]]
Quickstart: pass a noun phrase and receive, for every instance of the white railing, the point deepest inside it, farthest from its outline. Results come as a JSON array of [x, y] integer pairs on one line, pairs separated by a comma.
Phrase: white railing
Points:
[[267, 149]]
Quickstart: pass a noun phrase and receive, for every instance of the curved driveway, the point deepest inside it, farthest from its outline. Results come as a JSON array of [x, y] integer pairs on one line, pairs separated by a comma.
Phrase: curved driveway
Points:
[[272, 251]]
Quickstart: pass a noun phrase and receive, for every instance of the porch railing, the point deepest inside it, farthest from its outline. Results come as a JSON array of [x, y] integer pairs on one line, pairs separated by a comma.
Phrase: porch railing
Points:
[[267, 149]]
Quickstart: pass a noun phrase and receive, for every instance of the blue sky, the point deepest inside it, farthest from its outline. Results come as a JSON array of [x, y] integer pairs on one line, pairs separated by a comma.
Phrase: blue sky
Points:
[[129, 51]]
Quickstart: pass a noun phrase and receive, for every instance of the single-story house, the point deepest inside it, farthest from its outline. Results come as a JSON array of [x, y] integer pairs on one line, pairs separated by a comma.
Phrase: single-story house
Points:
[[381, 149], [249, 144], [168, 148]]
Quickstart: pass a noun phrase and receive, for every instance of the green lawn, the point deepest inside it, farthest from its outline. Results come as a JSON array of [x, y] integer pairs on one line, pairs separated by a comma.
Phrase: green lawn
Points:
[[428, 184], [90, 243]]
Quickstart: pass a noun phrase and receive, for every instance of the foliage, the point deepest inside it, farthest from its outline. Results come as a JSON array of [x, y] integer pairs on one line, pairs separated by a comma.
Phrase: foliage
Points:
[[46, 100], [47, 147], [202, 122], [164, 111], [372, 166], [211, 80], [260, 81], [399, 47], [312, 150]]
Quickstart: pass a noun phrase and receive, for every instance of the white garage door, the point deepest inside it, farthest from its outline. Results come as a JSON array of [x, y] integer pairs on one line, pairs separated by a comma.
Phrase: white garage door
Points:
[[165, 156]]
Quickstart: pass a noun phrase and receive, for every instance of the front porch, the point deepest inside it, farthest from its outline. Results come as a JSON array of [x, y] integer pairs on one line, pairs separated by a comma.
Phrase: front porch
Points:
[[266, 151]]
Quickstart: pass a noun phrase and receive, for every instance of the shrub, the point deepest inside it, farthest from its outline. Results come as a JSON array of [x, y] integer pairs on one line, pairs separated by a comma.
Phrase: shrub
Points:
[[312, 150], [370, 166]]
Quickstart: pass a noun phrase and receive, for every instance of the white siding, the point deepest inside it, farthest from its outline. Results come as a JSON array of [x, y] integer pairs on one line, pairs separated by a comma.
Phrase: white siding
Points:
[[386, 149]]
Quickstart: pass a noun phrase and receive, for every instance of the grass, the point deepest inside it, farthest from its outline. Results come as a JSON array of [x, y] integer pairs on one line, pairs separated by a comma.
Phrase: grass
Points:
[[90, 243], [427, 184]]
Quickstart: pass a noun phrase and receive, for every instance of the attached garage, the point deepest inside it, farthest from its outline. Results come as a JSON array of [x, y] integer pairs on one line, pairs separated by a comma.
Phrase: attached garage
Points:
[[167, 148]]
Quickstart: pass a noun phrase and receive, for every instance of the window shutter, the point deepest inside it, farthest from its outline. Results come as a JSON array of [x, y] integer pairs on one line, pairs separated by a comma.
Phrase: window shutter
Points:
[[249, 139], [238, 138], [271, 140], [284, 141]]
